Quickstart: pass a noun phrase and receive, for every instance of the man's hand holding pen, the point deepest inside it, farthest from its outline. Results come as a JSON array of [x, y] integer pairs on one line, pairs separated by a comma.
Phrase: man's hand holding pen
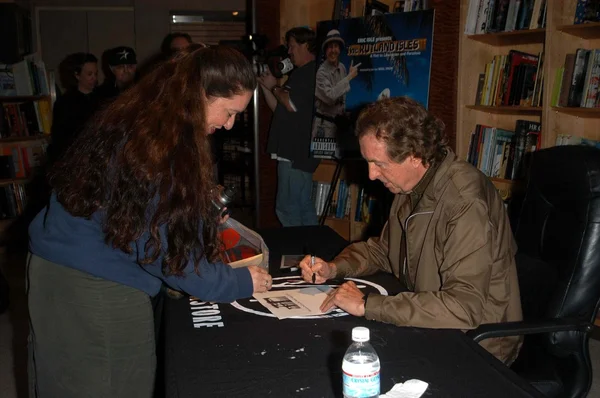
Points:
[[321, 270], [348, 297]]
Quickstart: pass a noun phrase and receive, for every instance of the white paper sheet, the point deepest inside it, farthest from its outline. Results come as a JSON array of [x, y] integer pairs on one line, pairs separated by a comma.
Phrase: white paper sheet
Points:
[[294, 302]]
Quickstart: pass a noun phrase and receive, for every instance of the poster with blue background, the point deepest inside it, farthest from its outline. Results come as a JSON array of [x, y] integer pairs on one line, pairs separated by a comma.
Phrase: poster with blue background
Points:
[[377, 56]]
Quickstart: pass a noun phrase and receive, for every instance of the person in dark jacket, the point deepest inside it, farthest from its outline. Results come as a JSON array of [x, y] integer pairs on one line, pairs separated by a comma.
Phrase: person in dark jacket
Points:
[[120, 74], [131, 208], [79, 76], [289, 136]]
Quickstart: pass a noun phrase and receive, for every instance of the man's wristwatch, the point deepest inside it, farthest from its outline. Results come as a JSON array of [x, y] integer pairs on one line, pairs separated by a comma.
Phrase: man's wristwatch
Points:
[[364, 298]]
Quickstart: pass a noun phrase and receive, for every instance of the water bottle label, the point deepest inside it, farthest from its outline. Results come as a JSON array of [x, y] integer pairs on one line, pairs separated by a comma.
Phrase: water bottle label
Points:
[[361, 386]]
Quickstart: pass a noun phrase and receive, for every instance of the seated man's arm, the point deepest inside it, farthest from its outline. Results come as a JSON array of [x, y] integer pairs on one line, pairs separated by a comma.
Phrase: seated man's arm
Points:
[[364, 258], [465, 274]]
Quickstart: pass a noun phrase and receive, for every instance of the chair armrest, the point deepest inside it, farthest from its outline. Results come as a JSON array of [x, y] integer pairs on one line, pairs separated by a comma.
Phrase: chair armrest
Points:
[[491, 330]]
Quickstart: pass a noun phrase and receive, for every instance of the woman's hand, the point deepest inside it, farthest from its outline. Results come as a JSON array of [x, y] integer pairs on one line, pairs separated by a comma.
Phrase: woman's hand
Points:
[[321, 269], [225, 217], [261, 280]]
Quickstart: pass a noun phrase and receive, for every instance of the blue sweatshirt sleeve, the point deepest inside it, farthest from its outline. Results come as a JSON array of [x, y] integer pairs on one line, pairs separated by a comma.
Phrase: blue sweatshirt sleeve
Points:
[[216, 282], [213, 282]]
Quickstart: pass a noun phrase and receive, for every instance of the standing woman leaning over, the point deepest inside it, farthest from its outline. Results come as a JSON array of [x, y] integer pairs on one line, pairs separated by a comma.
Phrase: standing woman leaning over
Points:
[[131, 207], [79, 76]]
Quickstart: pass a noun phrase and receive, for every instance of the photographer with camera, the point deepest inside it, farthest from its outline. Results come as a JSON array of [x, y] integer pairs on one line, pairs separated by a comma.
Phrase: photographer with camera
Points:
[[289, 136]]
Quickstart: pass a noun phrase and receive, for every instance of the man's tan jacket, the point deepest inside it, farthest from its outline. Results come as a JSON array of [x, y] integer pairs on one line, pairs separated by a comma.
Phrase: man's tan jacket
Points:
[[453, 231]]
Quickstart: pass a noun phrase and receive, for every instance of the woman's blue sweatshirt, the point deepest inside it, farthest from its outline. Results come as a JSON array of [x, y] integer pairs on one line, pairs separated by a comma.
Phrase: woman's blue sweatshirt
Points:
[[76, 242]]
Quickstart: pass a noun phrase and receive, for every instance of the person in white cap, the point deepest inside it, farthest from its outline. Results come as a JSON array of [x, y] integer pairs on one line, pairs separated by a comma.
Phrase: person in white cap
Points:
[[332, 84]]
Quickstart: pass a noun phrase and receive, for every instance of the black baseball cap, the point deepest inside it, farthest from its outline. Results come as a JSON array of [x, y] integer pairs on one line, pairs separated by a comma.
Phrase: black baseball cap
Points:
[[121, 55]]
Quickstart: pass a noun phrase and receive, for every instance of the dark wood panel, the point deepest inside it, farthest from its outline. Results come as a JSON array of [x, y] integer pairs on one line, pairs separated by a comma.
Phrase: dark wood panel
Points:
[[444, 65], [267, 20]]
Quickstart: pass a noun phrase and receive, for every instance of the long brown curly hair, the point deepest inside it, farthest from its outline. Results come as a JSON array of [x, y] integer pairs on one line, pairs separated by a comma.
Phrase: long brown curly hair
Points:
[[145, 160]]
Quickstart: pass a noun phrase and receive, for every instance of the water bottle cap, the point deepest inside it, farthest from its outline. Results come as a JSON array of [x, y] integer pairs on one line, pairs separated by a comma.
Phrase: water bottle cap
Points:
[[360, 334]]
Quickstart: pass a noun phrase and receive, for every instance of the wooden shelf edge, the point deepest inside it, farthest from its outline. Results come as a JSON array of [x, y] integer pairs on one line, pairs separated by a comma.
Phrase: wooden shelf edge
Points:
[[15, 98], [524, 36], [502, 180], [14, 181], [335, 219], [584, 30], [576, 111], [22, 139], [511, 110]]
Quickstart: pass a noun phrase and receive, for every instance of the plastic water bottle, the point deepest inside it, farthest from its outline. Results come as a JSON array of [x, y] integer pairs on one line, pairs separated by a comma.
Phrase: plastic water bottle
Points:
[[361, 367]]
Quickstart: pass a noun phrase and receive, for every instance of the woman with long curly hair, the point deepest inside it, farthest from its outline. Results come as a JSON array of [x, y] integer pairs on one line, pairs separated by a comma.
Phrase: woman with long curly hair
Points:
[[131, 208]]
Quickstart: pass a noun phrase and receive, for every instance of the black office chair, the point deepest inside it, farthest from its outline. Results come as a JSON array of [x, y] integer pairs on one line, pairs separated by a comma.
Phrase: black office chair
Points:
[[558, 263]]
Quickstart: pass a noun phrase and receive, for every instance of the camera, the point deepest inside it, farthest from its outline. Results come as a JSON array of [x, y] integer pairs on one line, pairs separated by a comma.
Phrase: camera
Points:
[[277, 67], [276, 60], [222, 197]]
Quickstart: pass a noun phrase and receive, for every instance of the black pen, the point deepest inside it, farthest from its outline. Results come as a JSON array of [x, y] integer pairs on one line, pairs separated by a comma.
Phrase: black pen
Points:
[[312, 263]]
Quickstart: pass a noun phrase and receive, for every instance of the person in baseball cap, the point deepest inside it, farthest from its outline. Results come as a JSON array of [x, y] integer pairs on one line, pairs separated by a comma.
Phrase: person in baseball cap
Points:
[[121, 56], [122, 65]]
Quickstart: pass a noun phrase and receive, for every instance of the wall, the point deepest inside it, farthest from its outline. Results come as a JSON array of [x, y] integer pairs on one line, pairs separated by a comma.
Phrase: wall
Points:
[[151, 16]]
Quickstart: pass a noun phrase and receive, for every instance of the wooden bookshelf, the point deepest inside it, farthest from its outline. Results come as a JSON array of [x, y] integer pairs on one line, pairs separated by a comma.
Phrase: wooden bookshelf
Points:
[[351, 172], [21, 98], [38, 137], [14, 181], [513, 38], [579, 112], [559, 38], [511, 110], [584, 30]]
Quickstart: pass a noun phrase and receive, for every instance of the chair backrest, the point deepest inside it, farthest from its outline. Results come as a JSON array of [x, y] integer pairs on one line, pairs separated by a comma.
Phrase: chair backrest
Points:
[[558, 261], [559, 229]]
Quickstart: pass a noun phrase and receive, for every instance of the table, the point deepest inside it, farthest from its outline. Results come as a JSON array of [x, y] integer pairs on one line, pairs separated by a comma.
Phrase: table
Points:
[[223, 350]]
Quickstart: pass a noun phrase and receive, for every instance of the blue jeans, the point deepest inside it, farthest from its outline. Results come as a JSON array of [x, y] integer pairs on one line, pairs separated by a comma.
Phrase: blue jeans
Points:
[[293, 204]]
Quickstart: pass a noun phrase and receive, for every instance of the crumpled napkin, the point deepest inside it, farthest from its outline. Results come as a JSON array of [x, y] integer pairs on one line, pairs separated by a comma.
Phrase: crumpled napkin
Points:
[[409, 389]]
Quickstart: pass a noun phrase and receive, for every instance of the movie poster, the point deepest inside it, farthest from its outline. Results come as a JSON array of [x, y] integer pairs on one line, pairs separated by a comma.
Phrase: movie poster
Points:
[[361, 60]]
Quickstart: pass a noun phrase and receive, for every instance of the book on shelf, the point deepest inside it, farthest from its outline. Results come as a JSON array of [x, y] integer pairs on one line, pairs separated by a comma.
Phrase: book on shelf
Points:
[[578, 80], [13, 199], [25, 78], [24, 119], [340, 200], [498, 152], [569, 139], [587, 11], [19, 161], [490, 16], [513, 79]]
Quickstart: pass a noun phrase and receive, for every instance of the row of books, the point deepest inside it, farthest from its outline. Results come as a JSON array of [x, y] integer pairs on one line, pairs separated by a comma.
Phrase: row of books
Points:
[[587, 11], [25, 119], [499, 153], [516, 78], [19, 161], [568, 139], [13, 199], [365, 206], [24, 78], [576, 82], [487, 16], [340, 201]]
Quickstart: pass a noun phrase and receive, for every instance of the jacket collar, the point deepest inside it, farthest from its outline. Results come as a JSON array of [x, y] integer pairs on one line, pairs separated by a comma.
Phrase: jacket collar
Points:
[[424, 192]]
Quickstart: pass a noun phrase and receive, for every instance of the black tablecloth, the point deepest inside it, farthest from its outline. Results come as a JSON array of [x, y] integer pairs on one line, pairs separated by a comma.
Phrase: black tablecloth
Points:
[[239, 350]]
